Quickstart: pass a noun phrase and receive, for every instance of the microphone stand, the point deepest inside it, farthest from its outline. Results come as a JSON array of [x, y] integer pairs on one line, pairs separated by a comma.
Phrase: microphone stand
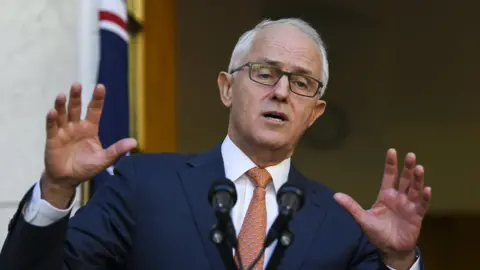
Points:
[[224, 247], [222, 196], [223, 235], [285, 240]]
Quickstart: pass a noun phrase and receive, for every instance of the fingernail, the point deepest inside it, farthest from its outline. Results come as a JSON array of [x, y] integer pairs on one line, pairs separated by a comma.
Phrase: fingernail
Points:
[[339, 196]]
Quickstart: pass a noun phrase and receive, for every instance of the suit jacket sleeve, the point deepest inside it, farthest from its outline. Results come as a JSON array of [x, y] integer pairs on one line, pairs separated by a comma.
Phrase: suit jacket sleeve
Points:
[[99, 236], [368, 257]]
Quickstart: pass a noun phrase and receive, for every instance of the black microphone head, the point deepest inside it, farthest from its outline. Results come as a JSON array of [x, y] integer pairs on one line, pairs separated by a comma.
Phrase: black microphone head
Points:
[[290, 196], [222, 185]]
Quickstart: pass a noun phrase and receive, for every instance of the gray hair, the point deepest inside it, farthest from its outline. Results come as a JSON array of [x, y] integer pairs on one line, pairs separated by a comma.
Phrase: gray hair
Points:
[[245, 42]]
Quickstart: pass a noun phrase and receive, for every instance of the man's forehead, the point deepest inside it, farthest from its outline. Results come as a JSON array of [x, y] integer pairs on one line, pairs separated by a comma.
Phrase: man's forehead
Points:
[[286, 46]]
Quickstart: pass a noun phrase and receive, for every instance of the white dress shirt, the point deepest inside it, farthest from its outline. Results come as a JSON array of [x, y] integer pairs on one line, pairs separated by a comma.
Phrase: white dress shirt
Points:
[[40, 213]]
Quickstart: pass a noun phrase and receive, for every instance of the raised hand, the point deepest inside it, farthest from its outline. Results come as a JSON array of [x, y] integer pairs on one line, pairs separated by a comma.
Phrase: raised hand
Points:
[[73, 152], [393, 223]]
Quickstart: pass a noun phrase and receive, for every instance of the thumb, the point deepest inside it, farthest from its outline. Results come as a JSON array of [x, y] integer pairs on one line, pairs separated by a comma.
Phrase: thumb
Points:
[[358, 213], [119, 148]]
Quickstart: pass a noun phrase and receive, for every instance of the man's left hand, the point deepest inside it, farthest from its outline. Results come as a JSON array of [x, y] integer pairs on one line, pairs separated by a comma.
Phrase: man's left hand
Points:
[[393, 223]]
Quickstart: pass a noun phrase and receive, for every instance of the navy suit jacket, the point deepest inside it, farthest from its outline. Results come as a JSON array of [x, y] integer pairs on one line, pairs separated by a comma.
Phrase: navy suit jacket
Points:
[[154, 214]]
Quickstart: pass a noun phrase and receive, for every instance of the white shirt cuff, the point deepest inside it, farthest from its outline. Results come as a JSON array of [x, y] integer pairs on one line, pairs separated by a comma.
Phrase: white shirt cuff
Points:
[[415, 266], [39, 212]]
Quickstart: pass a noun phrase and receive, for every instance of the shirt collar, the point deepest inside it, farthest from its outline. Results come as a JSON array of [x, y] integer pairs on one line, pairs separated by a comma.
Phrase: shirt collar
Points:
[[236, 164]]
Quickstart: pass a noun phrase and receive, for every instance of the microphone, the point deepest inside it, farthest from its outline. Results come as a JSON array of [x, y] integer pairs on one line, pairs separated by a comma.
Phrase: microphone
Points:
[[222, 196], [290, 199]]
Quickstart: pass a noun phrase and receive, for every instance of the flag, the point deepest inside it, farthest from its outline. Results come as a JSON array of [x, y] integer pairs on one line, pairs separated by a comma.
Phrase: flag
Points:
[[113, 73]]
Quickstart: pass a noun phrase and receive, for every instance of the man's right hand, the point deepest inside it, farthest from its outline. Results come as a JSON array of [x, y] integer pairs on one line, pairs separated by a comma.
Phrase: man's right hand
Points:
[[73, 152]]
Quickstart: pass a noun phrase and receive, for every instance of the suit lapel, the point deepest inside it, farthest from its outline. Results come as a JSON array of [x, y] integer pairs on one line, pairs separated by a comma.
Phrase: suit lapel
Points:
[[305, 224], [200, 173]]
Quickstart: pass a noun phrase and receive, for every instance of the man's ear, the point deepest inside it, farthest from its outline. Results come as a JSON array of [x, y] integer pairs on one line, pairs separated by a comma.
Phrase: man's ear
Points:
[[317, 111], [224, 82]]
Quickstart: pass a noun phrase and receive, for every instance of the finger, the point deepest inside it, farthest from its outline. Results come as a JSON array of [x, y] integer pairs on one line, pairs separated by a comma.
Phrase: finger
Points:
[[358, 213], [425, 202], [415, 192], [390, 170], [75, 103], [119, 148], [95, 106], [407, 173], [60, 102], [52, 126]]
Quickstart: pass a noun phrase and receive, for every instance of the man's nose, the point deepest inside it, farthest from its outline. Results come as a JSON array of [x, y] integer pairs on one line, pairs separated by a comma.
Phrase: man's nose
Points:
[[282, 89]]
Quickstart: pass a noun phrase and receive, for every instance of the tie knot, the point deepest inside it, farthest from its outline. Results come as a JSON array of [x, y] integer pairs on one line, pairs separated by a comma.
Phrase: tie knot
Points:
[[260, 177]]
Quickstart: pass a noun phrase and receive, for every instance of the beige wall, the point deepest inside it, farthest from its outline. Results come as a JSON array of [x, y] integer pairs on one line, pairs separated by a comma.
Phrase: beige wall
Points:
[[38, 61], [405, 74]]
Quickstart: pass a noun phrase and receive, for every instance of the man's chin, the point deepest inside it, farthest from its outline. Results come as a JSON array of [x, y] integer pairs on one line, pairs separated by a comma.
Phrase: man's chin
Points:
[[272, 140]]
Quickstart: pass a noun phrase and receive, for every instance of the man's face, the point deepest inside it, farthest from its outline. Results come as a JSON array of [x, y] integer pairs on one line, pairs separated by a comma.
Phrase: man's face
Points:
[[253, 104]]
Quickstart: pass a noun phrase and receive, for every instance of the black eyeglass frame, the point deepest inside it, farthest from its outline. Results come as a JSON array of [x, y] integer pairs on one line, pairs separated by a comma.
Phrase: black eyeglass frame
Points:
[[283, 72]]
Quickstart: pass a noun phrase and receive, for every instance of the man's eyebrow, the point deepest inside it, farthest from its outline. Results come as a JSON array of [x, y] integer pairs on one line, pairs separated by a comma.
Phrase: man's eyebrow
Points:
[[296, 69]]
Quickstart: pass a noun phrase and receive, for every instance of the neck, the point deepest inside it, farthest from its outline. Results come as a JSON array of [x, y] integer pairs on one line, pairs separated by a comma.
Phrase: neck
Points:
[[261, 155]]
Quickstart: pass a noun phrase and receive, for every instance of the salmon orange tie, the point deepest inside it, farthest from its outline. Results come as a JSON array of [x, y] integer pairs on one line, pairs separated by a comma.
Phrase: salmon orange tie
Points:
[[254, 227]]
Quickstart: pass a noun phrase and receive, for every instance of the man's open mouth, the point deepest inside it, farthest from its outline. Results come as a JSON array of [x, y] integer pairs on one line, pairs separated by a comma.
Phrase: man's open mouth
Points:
[[274, 115]]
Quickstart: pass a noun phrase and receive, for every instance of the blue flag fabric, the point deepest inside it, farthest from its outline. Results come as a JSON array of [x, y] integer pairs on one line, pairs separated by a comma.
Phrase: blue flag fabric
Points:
[[113, 73]]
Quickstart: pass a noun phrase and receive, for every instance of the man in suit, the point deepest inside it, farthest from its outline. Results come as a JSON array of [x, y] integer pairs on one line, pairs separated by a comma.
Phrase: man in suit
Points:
[[154, 213]]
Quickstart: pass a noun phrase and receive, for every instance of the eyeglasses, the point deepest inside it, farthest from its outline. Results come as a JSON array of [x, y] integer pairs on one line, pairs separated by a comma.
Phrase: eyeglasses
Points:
[[270, 75]]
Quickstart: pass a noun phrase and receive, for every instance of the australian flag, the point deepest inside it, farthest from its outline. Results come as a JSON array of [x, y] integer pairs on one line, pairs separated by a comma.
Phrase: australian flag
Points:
[[113, 73]]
